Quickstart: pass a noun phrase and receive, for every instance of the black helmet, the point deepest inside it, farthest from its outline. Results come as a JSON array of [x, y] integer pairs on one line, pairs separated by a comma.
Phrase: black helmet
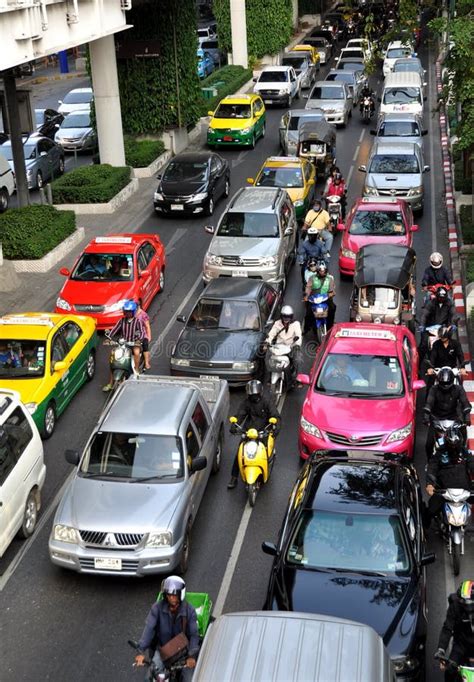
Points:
[[453, 440], [312, 262], [445, 332], [466, 596], [446, 378], [337, 177], [441, 294], [254, 388], [174, 585]]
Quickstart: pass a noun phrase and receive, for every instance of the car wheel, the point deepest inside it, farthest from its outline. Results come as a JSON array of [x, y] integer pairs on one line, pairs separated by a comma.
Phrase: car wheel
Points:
[[262, 134], [252, 142], [39, 180], [90, 367], [184, 561], [210, 206], [227, 187], [161, 280], [49, 421], [216, 465], [62, 166], [3, 200], [30, 516]]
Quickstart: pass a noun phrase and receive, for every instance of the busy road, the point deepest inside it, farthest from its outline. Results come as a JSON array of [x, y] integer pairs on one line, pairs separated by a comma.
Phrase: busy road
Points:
[[58, 625]]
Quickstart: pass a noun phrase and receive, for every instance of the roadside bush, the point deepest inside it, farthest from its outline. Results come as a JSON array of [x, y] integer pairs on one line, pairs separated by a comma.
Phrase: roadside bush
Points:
[[140, 153], [470, 273], [461, 183], [230, 79], [90, 184], [33, 231], [467, 224]]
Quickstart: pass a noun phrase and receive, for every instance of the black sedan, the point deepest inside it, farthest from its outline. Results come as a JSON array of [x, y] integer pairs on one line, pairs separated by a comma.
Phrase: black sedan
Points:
[[192, 183], [47, 122], [352, 546], [224, 333]]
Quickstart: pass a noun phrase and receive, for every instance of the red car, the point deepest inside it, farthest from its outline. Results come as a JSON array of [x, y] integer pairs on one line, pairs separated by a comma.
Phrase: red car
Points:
[[111, 270], [374, 220], [362, 391]]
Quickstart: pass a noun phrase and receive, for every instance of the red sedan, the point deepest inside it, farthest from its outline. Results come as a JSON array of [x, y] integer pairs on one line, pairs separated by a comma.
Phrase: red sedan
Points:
[[374, 220], [111, 270]]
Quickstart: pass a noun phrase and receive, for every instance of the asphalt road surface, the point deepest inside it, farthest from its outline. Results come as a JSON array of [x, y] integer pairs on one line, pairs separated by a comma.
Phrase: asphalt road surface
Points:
[[57, 625]]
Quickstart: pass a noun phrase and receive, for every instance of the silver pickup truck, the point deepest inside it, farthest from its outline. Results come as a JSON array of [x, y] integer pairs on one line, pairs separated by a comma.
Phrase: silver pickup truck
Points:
[[131, 504]]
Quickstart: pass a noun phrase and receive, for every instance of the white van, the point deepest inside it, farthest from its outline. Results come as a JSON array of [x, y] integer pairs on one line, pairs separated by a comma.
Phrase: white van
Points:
[[22, 470], [402, 92], [7, 183]]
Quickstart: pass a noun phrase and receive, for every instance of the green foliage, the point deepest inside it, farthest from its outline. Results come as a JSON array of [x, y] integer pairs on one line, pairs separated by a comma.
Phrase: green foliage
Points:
[[90, 184], [269, 25], [461, 183], [230, 79], [33, 231], [164, 92], [467, 224], [470, 278], [140, 153]]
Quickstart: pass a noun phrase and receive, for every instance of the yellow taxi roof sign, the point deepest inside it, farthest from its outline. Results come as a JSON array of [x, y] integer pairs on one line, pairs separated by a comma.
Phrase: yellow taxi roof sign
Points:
[[32, 321]]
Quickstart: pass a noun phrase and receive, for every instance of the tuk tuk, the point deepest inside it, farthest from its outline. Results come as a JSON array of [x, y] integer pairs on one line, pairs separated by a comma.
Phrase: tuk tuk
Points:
[[317, 143], [384, 285]]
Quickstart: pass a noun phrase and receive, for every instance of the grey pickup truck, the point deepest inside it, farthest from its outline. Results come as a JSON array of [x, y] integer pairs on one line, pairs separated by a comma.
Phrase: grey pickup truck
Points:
[[132, 501]]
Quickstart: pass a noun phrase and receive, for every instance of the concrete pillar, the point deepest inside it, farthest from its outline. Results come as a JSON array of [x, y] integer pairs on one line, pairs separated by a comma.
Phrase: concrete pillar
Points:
[[238, 24], [107, 101], [295, 13]]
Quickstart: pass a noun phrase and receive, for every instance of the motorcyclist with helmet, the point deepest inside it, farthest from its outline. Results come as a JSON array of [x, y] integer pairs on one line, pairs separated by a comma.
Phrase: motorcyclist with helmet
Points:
[[438, 311], [130, 328], [311, 247], [256, 409], [445, 352], [287, 331], [367, 92], [446, 400], [167, 618], [436, 273], [336, 186], [458, 626], [318, 218], [321, 282], [451, 466]]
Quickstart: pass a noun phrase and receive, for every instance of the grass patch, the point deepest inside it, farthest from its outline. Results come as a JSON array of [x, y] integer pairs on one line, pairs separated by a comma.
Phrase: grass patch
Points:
[[96, 184], [140, 153], [33, 231], [229, 79], [467, 224]]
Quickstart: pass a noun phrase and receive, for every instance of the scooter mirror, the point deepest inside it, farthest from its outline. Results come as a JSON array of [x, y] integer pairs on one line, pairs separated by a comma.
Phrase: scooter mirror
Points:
[[233, 420], [303, 379]]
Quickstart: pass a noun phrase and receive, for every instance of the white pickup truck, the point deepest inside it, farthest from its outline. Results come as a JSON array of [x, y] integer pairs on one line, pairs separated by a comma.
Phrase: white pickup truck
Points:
[[278, 85]]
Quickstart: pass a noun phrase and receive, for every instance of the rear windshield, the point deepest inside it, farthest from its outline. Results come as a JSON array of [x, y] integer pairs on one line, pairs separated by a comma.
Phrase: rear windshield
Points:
[[394, 163], [399, 129], [348, 77], [273, 77], [398, 52], [297, 121], [349, 66], [403, 95], [318, 42], [295, 62], [411, 65], [377, 223], [78, 98], [322, 92], [248, 225]]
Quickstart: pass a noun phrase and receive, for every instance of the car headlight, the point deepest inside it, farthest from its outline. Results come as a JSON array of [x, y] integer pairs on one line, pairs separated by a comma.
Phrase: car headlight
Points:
[[298, 203], [283, 91], [200, 196], [246, 131], [158, 196], [212, 259], [180, 362], [404, 665], [31, 407], [65, 534], [269, 261], [400, 434], [310, 428], [347, 253], [244, 366], [371, 191], [415, 190], [160, 539], [115, 306], [251, 449], [62, 303]]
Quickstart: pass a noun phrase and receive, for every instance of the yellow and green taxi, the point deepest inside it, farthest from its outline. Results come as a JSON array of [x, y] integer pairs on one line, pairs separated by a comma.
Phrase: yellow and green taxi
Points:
[[46, 357], [238, 120], [308, 48], [296, 175]]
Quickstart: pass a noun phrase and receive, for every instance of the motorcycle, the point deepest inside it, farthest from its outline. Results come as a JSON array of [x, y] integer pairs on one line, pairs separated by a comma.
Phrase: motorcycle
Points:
[[121, 361], [430, 291], [454, 519], [465, 672], [255, 458], [320, 306], [334, 209], [172, 672], [367, 109], [279, 365]]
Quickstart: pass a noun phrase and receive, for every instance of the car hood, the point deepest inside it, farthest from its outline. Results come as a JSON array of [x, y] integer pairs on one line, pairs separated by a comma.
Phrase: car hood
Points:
[[73, 132], [65, 109], [231, 123], [173, 188], [394, 180], [326, 104], [97, 293], [29, 389], [271, 85], [355, 242], [218, 345], [246, 247], [118, 506], [379, 602]]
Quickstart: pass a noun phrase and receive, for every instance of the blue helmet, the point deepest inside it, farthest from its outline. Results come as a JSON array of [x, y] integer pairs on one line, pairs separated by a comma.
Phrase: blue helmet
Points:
[[130, 307]]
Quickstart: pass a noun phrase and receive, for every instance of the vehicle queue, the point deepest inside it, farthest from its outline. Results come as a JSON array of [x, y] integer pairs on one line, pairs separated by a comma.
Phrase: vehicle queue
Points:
[[356, 513]]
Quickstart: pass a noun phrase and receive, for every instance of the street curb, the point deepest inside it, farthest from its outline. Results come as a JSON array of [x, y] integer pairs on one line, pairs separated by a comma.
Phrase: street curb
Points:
[[154, 166], [100, 209], [53, 257], [458, 293]]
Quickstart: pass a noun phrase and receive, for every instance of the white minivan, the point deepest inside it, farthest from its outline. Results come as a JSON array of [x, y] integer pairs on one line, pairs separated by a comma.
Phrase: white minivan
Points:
[[22, 470], [7, 183], [402, 93]]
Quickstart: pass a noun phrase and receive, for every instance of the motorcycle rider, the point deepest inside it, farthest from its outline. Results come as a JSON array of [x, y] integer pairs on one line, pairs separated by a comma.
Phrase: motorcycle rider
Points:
[[167, 618], [287, 330], [438, 311], [367, 92], [336, 186], [318, 218], [445, 400], [451, 466], [311, 247], [321, 282], [458, 626], [256, 409], [130, 328], [436, 273], [445, 352]]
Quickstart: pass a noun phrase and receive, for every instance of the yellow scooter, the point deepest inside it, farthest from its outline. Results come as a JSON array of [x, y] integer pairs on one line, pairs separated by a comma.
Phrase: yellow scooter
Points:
[[255, 462]]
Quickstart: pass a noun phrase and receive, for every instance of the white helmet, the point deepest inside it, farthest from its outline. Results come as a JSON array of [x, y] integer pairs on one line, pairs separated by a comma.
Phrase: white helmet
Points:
[[174, 585], [287, 311], [312, 230], [436, 260]]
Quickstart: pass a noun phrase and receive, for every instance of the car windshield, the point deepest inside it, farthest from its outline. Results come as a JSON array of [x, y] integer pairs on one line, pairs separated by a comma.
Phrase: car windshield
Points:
[[186, 171], [295, 62], [248, 225], [364, 376], [273, 77], [401, 95], [397, 52], [377, 223], [229, 315], [394, 163], [78, 98], [318, 42], [77, 121], [29, 150], [133, 456], [280, 177], [380, 299], [112, 267], [21, 359], [347, 77], [323, 92], [233, 111], [345, 541], [399, 129], [356, 52], [410, 65]]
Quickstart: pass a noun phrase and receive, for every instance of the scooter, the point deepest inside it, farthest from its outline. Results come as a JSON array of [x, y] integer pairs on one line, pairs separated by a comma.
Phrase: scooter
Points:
[[255, 461], [430, 291], [278, 362], [465, 672], [172, 672], [367, 109], [121, 361], [453, 521], [320, 306], [334, 209]]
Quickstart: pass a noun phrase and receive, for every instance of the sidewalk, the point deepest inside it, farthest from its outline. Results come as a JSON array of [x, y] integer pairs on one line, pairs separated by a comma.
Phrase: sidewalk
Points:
[[44, 74]]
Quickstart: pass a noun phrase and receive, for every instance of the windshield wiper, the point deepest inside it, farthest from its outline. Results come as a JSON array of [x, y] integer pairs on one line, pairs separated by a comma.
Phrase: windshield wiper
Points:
[[359, 572], [151, 478]]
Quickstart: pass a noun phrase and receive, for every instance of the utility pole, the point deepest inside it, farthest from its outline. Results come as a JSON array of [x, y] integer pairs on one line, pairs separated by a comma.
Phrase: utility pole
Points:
[[13, 113]]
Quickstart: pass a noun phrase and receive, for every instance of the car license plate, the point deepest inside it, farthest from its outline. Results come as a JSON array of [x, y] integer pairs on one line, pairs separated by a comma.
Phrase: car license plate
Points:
[[108, 564], [320, 310], [228, 138], [267, 101], [239, 273], [177, 207]]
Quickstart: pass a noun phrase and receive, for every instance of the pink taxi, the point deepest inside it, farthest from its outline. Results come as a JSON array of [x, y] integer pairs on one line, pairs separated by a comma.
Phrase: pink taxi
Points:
[[362, 391]]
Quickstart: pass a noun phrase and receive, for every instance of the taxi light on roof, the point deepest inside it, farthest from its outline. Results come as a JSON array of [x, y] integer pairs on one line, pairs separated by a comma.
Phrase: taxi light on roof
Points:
[[33, 321], [285, 159], [380, 200], [382, 334], [113, 240]]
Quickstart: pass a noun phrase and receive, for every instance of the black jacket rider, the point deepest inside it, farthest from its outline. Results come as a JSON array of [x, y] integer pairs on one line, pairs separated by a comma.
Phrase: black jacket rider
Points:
[[438, 313], [446, 356], [457, 625], [445, 404], [444, 473], [257, 413], [432, 276]]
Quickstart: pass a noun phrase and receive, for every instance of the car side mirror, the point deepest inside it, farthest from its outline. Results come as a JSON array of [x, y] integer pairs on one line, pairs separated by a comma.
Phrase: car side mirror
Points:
[[415, 228], [341, 227], [363, 169], [251, 181], [198, 464], [181, 318], [72, 457], [60, 101], [373, 132], [209, 228], [210, 113], [288, 232], [426, 169], [418, 384], [303, 379], [269, 548], [65, 272], [144, 274], [60, 366], [427, 559]]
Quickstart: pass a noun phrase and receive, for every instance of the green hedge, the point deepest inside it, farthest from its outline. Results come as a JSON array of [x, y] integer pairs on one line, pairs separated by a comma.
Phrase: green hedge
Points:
[[467, 224], [461, 184], [231, 77], [33, 231], [470, 274], [140, 153], [90, 184]]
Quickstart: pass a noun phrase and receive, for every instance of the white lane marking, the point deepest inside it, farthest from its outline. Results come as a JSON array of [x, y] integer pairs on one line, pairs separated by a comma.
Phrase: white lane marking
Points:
[[361, 136], [356, 153], [349, 175], [239, 159], [432, 178], [236, 549], [171, 245]]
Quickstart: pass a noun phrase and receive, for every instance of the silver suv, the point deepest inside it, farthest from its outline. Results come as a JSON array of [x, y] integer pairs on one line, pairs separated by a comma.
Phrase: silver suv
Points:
[[334, 99], [396, 170], [256, 237]]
